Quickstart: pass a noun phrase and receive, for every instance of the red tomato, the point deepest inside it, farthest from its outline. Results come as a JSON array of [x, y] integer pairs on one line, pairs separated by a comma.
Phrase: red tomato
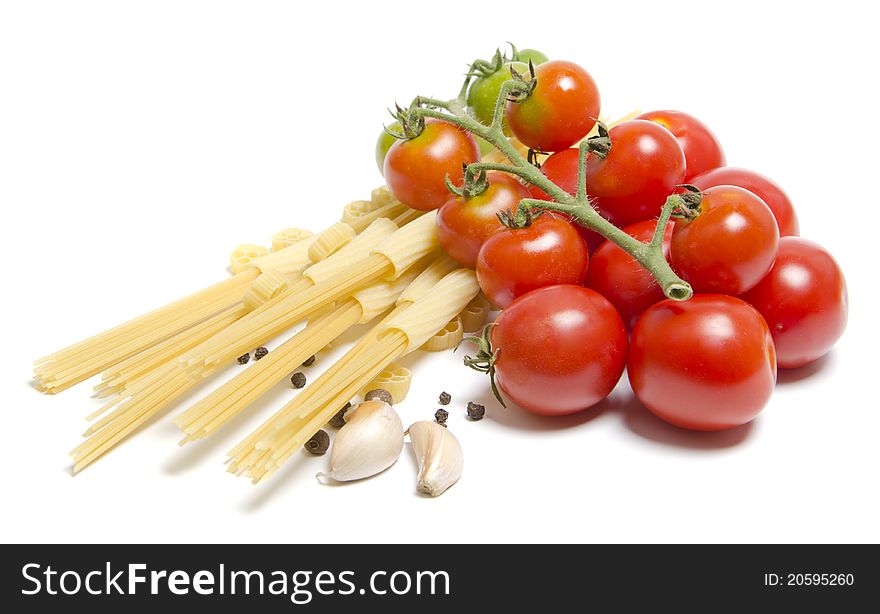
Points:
[[560, 111], [621, 279], [642, 169], [560, 350], [705, 364], [562, 169], [803, 299], [416, 169], [702, 151], [463, 224], [515, 261], [767, 189], [729, 246]]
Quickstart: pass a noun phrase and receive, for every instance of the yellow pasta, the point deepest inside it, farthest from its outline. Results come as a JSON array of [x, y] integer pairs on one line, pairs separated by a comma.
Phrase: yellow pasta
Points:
[[476, 314], [328, 242], [68, 367], [381, 196], [408, 327], [115, 380], [243, 256], [394, 379], [343, 273], [232, 398], [265, 287], [287, 237], [72, 365], [446, 338]]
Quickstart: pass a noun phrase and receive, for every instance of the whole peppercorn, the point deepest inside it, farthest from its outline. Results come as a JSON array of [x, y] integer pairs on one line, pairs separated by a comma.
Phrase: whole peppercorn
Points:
[[440, 416], [260, 352], [244, 359], [298, 379], [338, 421], [475, 411], [309, 361], [319, 443], [379, 395], [445, 398]]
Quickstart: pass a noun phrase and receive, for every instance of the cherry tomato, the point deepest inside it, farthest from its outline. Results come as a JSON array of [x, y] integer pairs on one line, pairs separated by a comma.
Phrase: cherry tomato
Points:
[[515, 261], [464, 224], [560, 350], [621, 279], [706, 364], [524, 55], [383, 144], [642, 169], [483, 93], [804, 301], [766, 189], [560, 111], [702, 151], [729, 246], [416, 169], [562, 169]]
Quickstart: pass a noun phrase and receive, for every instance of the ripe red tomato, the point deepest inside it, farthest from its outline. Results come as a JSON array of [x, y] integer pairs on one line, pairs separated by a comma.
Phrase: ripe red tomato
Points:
[[560, 111], [706, 364], [729, 246], [642, 169], [804, 301], [416, 169], [702, 151], [515, 261], [464, 224], [562, 169], [560, 350], [621, 279], [767, 189]]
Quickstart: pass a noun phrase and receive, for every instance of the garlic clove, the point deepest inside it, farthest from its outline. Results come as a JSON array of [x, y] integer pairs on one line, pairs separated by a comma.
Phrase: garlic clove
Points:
[[438, 455], [369, 443]]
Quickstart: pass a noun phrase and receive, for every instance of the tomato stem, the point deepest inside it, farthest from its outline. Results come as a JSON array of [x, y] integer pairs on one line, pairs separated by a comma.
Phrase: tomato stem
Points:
[[578, 207]]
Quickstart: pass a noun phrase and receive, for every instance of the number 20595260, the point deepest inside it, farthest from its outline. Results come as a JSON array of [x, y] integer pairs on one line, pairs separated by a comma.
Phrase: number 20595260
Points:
[[809, 579]]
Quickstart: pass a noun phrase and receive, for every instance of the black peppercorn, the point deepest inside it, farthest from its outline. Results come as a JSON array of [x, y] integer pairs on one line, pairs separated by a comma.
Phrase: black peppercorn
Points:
[[445, 398], [338, 421], [244, 359], [260, 352], [475, 411], [319, 443], [298, 379], [440, 416], [309, 361], [379, 395]]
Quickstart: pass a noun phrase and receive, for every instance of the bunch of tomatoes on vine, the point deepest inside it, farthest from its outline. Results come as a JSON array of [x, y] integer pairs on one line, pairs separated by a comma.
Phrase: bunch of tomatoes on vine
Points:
[[630, 247]]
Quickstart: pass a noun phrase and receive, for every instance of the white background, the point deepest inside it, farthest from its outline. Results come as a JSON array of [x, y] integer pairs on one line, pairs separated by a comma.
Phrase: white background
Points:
[[141, 142]]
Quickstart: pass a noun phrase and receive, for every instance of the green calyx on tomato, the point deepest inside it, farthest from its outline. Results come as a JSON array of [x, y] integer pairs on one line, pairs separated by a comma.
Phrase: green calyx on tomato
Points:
[[483, 92], [484, 361]]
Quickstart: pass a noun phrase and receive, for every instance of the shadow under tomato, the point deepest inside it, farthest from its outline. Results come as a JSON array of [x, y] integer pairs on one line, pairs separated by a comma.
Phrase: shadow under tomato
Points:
[[643, 423], [791, 376], [514, 416]]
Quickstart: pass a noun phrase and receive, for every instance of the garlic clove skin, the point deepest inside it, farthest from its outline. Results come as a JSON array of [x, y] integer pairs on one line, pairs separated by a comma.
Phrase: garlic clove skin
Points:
[[369, 443], [438, 455]]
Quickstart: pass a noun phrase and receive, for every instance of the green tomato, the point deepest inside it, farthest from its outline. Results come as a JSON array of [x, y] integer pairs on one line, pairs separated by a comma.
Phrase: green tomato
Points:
[[484, 92], [524, 55], [383, 144]]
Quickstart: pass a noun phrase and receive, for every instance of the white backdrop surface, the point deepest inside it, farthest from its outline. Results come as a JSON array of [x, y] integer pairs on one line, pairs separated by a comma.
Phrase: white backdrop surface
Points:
[[141, 142]]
